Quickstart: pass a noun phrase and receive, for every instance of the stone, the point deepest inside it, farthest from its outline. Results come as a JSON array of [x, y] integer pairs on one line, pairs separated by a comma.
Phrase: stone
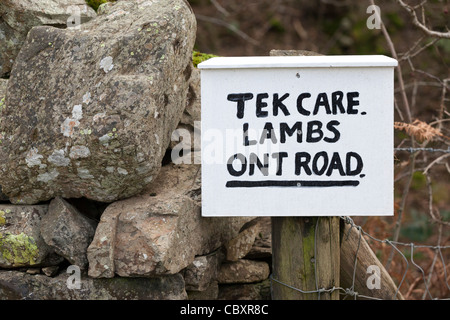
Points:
[[17, 17], [33, 271], [262, 247], [15, 285], [239, 246], [68, 231], [186, 139], [193, 110], [3, 86], [21, 243], [210, 293], [50, 271], [243, 271], [248, 291], [199, 275], [160, 231], [101, 103]]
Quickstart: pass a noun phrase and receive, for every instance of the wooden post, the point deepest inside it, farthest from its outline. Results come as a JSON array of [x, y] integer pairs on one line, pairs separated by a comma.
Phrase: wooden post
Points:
[[305, 255], [305, 250]]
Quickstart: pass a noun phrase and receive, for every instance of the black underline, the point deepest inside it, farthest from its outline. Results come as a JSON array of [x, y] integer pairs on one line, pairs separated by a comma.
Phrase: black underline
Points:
[[291, 183]]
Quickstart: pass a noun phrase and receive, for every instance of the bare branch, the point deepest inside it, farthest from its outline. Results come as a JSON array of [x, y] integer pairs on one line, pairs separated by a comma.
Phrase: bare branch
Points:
[[420, 25], [220, 8], [229, 26]]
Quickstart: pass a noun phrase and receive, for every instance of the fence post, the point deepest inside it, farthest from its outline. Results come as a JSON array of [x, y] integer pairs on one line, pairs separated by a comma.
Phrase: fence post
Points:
[[305, 250], [306, 256]]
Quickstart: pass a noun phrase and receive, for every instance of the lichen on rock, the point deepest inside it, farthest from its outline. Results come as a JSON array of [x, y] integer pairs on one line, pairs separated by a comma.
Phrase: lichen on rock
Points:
[[18, 249]]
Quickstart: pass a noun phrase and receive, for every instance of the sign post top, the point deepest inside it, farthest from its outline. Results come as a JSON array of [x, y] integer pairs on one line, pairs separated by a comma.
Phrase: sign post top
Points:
[[347, 61]]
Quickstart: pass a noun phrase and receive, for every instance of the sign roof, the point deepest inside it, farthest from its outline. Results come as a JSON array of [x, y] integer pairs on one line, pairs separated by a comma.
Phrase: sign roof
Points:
[[298, 62]]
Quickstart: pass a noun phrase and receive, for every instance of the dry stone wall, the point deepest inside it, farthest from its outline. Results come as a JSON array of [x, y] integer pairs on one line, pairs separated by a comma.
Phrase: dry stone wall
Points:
[[90, 206]]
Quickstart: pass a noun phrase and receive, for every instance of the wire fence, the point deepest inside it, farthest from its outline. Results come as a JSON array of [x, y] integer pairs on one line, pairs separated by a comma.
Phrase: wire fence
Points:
[[395, 245], [413, 150]]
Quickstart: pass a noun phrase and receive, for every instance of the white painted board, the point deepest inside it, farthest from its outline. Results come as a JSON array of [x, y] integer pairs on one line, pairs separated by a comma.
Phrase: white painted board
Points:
[[297, 136]]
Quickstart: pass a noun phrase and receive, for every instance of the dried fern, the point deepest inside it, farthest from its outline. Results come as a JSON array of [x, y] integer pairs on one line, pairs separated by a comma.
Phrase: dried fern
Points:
[[420, 130]]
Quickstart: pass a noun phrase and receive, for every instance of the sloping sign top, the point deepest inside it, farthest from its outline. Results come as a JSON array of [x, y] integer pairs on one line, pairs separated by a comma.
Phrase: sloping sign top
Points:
[[297, 136]]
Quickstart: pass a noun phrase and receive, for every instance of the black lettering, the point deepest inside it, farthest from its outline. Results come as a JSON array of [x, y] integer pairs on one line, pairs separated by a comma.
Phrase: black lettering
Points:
[[279, 156], [278, 104], [300, 108], [331, 127], [264, 168], [335, 164], [247, 142], [242, 159], [285, 129], [240, 98], [348, 161], [315, 169], [311, 130], [268, 133], [299, 163], [351, 102], [336, 102], [260, 105], [322, 100]]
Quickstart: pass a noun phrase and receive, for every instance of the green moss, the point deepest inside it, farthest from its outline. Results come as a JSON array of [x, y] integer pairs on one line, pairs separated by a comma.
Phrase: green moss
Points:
[[2, 218], [96, 3], [2, 102], [198, 57], [18, 250]]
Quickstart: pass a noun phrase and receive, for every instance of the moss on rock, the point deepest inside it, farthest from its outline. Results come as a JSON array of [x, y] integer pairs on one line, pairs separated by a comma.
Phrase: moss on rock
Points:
[[198, 57], [18, 249], [2, 218], [94, 4]]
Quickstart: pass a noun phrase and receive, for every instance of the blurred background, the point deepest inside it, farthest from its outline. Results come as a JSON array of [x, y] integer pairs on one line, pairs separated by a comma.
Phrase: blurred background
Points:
[[417, 34]]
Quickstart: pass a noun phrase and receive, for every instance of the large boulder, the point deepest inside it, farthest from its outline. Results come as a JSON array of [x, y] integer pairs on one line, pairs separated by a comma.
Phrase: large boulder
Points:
[[159, 232], [90, 113], [21, 243], [17, 17]]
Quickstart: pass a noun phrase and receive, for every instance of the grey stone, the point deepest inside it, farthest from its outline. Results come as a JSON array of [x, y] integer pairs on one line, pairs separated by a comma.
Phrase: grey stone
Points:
[[50, 271], [21, 244], [15, 285], [33, 271], [199, 275], [89, 112], [262, 247], [240, 245], [160, 231], [17, 17], [3, 86], [248, 291], [187, 136], [193, 110], [243, 271], [68, 231], [210, 293]]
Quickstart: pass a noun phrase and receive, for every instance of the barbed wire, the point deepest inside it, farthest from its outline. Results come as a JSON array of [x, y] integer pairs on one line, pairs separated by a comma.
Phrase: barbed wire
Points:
[[413, 150], [350, 292]]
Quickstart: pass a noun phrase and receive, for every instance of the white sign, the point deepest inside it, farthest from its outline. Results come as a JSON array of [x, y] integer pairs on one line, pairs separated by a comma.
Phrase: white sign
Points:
[[297, 136]]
